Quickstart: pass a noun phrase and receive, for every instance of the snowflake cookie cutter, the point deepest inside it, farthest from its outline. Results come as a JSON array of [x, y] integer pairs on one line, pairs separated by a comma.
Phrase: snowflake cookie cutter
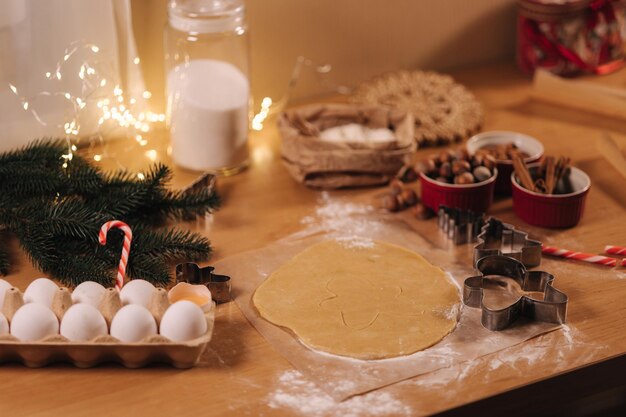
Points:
[[551, 308], [219, 285], [499, 238], [460, 226]]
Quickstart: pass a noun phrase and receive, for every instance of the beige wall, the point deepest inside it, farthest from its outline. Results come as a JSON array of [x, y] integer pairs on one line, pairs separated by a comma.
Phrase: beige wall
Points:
[[359, 38]]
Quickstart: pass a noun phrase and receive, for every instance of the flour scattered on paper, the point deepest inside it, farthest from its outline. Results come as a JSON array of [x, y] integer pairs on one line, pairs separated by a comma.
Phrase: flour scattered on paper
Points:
[[342, 216], [299, 395]]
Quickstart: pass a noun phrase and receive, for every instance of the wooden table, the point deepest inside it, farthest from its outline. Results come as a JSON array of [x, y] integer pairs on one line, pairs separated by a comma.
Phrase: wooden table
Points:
[[263, 204]]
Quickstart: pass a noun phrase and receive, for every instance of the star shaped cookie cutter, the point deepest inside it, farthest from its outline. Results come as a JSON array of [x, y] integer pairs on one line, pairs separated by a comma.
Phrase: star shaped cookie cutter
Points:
[[551, 307], [499, 238], [219, 285]]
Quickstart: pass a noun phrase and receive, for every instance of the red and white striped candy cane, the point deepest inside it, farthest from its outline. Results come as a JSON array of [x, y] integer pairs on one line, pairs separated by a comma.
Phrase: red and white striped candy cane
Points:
[[615, 250], [579, 256], [128, 236]]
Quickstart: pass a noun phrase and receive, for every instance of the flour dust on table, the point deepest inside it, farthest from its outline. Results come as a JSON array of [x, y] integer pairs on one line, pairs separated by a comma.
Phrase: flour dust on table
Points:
[[301, 396]]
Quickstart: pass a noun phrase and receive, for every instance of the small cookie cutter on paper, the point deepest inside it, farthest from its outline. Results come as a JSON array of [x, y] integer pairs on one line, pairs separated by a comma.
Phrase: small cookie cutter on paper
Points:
[[499, 238], [219, 285], [460, 226], [552, 308]]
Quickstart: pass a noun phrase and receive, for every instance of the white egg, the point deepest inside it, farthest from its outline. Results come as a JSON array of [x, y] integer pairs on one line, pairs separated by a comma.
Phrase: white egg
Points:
[[88, 292], [137, 291], [182, 321], [82, 322], [4, 325], [4, 286], [33, 322], [133, 323], [40, 291]]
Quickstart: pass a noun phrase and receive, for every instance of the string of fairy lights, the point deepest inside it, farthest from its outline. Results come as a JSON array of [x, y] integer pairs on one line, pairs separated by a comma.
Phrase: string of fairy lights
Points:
[[101, 95], [270, 107]]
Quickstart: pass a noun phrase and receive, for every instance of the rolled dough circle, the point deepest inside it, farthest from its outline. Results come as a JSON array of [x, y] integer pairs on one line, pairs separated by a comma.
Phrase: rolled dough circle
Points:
[[365, 300]]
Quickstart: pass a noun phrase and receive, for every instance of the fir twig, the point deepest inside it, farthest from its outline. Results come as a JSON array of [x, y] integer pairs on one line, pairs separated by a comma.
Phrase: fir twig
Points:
[[56, 211]]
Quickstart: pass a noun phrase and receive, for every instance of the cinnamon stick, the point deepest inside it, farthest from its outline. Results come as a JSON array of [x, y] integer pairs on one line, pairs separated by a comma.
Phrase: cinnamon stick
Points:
[[522, 173], [550, 175]]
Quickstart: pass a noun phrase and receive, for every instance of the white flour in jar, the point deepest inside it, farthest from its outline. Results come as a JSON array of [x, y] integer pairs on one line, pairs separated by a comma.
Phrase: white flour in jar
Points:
[[207, 104]]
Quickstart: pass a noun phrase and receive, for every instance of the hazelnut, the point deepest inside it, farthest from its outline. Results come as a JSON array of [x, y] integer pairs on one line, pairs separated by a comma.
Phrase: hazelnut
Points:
[[407, 174], [445, 170], [459, 167], [442, 179], [464, 178], [489, 162], [445, 156], [434, 161], [407, 197], [478, 159], [390, 202], [481, 173], [396, 186], [427, 167], [422, 212], [461, 154]]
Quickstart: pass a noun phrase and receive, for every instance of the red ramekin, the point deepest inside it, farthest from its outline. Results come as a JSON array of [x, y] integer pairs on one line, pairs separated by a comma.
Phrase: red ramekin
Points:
[[524, 143], [476, 197], [554, 210]]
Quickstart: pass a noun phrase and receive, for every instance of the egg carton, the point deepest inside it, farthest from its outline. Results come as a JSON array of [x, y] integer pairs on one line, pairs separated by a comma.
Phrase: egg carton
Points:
[[57, 348]]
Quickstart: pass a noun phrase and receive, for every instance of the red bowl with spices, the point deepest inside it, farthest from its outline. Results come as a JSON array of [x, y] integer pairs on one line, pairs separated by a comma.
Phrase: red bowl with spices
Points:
[[476, 197], [527, 144], [553, 210]]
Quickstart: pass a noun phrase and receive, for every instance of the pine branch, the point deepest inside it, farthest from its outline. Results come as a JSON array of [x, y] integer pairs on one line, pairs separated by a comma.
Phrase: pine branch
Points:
[[56, 212], [74, 270], [148, 267], [173, 244], [4, 259]]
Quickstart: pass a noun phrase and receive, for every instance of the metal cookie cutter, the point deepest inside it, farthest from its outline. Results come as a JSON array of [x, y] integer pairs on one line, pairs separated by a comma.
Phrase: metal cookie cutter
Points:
[[498, 238], [460, 226], [546, 304], [219, 285]]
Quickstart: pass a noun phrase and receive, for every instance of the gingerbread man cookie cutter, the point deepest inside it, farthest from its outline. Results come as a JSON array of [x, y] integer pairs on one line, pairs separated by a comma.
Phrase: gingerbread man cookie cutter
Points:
[[219, 285], [499, 238], [546, 303]]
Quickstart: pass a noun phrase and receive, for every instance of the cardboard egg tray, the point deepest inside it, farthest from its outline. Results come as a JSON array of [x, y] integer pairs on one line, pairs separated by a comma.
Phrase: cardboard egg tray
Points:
[[56, 348]]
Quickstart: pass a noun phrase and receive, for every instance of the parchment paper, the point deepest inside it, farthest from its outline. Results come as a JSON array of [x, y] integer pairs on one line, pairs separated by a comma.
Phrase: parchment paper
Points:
[[342, 377]]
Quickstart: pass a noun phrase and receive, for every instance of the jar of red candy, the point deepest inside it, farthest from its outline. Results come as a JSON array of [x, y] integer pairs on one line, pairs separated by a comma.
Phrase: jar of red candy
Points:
[[570, 37]]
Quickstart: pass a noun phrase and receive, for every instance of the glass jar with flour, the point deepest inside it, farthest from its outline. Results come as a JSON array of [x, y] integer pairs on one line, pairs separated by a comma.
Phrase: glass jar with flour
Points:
[[208, 89]]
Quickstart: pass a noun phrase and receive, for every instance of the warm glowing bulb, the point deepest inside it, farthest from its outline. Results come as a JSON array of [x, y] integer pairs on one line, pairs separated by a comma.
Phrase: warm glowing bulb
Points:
[[97, 158], [95, 49], [136, 61], [147, 94], [151, 154]]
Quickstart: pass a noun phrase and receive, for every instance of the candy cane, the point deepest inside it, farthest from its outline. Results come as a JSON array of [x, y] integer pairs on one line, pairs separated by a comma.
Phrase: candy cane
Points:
[[615, 250], [579, 256], [128, 236]]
